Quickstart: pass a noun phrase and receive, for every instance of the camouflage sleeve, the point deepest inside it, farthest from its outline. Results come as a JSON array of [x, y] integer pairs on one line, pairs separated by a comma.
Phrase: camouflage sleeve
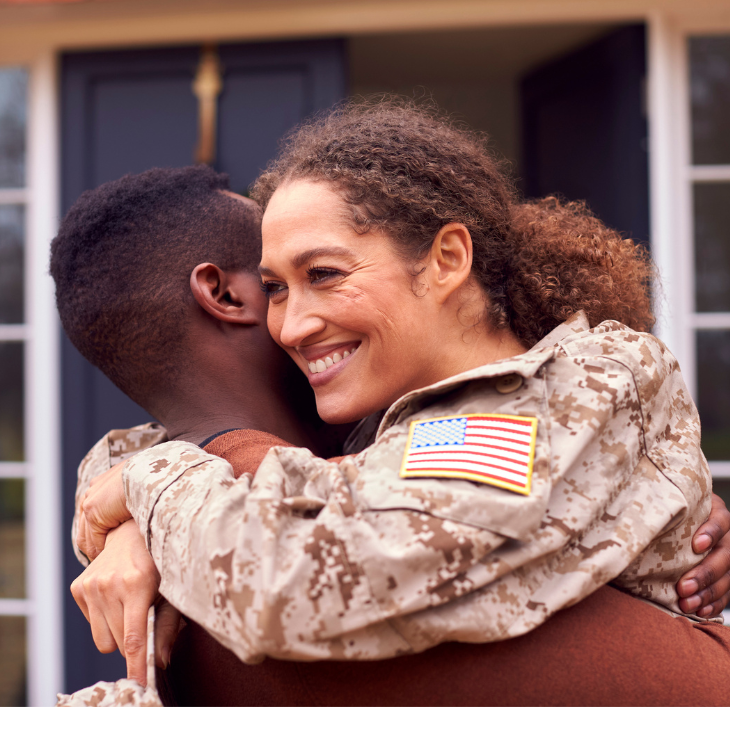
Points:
[[108, 451], [671, 431], [293, 565]]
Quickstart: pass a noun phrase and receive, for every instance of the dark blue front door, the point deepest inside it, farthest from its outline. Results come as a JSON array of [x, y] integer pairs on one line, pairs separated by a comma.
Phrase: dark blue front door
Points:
[[585, 129], [127, 111]]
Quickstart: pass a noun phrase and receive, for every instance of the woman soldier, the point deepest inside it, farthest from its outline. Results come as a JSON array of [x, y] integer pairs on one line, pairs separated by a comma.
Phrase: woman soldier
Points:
[[524, 441]]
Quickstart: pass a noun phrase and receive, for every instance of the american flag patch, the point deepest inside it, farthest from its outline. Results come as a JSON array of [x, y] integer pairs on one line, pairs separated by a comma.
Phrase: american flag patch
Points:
[[481, 447]]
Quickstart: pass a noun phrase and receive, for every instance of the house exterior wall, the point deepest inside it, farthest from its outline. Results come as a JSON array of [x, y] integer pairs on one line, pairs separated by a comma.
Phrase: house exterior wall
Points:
[[33, 34]]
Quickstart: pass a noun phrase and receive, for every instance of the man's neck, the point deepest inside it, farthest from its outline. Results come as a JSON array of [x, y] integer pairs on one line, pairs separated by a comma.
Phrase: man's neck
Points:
[[207, 408]]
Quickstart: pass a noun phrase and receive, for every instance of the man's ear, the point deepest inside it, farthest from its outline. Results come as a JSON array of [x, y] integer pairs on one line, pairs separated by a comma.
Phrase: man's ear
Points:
[[229, 296], [450, 259]]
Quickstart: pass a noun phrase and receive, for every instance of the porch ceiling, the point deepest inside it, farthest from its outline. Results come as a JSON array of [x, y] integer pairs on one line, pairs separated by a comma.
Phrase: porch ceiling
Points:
[[29, 26]]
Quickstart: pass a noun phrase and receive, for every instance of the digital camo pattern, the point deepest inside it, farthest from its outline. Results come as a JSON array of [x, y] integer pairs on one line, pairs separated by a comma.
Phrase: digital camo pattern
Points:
[[116, 446], [315, 560], [123, 692]]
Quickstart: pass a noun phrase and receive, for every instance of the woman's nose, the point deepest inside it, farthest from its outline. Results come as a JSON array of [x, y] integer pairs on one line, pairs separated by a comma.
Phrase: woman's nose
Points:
[[299, 324]]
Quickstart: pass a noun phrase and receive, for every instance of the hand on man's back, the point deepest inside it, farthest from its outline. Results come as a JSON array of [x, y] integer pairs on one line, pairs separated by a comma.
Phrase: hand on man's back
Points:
[[705, 590]]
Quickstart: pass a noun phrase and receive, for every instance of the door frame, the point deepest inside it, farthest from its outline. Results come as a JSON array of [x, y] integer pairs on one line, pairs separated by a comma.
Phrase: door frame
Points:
[[671, 179]]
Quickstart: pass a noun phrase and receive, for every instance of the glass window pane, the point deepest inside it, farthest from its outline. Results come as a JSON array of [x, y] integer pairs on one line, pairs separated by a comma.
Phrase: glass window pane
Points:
[[12, 235], [713, 401], [12, 538], [712, 246], [11, 401], [710, 91], [13, 91], [13, 692], [721, 487]]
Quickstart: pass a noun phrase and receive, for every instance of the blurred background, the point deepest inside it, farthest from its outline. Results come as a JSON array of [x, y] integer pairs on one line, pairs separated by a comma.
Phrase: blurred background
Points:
[[622, 103]]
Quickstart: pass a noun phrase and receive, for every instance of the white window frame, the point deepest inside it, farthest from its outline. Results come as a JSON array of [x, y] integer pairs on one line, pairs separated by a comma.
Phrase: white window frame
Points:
[[672, 177], [41, 470]]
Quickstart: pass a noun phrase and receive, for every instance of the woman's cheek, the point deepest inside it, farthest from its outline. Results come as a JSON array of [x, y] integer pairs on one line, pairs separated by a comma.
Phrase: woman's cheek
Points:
[[274, 323]]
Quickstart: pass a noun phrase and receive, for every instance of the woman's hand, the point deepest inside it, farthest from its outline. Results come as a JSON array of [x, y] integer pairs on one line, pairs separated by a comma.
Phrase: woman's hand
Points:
[[705, 590], [103, 508], [115, 593]]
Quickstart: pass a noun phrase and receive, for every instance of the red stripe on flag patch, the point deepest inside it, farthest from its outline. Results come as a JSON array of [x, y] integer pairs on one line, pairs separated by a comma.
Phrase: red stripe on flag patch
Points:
[[473, 447]]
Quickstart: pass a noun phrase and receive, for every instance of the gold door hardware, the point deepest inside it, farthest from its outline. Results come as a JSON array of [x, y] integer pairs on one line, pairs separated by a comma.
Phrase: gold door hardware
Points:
[[207, 86]]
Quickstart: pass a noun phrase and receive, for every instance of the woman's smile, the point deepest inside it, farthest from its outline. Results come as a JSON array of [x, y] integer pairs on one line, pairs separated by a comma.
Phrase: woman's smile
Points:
[[326, 367]]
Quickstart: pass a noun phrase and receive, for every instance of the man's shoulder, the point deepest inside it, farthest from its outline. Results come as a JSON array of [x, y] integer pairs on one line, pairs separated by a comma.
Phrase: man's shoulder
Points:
[[644, 357], [125, 442], [611, 339]]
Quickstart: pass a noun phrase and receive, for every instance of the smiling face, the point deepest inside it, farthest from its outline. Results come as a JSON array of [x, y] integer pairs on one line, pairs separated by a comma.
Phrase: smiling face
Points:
[[342, 304]]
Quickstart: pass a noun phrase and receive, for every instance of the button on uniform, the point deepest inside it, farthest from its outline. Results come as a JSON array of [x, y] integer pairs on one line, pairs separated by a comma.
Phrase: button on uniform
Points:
[[508, 383]]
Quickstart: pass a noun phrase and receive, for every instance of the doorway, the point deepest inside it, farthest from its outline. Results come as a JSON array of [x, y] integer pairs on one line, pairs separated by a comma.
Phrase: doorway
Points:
[[124, 112], [563, 104]]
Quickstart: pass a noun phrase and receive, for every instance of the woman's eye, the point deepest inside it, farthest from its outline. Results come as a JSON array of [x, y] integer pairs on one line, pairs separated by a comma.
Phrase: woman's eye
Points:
[[320, 275], [272, 289]]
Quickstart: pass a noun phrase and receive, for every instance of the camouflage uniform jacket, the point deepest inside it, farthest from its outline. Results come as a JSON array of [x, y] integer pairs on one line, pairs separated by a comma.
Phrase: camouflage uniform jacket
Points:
[[314, 560]]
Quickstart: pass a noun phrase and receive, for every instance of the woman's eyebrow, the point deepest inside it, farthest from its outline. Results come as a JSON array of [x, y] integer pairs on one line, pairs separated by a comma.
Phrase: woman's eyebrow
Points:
[[303, 258]]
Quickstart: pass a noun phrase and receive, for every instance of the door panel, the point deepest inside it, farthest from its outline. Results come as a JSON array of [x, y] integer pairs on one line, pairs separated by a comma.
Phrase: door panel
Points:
[[127, 111], [153, 120], [584, 130], [247, 136]]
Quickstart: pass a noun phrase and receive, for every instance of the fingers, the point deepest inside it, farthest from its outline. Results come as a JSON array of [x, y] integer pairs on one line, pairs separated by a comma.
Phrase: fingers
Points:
[[135, 641], [77, 591], [704, 589], [96, 535], [102, 629], [715, 598], [167, 626], [710, 601], [115, 593], [103, 508], [712, 531], [88, 539], [102, 610]]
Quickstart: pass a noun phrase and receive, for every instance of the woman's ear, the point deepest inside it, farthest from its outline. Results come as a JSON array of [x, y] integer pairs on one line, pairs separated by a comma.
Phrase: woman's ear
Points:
[[229, 296], [449, 264]]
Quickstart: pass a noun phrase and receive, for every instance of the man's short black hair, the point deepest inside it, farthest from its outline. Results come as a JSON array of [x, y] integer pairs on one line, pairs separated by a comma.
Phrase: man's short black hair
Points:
[[122, 261]]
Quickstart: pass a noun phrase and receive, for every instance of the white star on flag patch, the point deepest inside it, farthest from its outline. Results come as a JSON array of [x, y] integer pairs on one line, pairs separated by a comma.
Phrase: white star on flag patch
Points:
[[481, 447]]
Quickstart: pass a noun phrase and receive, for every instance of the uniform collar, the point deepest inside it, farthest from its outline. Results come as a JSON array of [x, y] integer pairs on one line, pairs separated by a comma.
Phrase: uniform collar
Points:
[[525, 365], [574, 325]]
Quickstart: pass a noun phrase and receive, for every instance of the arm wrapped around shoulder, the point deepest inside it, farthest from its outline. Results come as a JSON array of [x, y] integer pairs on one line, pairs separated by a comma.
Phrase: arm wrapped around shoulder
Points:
[[314, 560], [108, 451], [673, 461]]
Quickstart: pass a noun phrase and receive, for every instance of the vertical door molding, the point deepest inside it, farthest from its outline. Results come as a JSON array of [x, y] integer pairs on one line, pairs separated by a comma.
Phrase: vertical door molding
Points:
[[42, 425], [667, 91]]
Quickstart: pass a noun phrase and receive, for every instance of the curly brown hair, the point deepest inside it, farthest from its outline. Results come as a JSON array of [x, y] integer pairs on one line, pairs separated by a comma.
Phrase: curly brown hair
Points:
[[408, 170]]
